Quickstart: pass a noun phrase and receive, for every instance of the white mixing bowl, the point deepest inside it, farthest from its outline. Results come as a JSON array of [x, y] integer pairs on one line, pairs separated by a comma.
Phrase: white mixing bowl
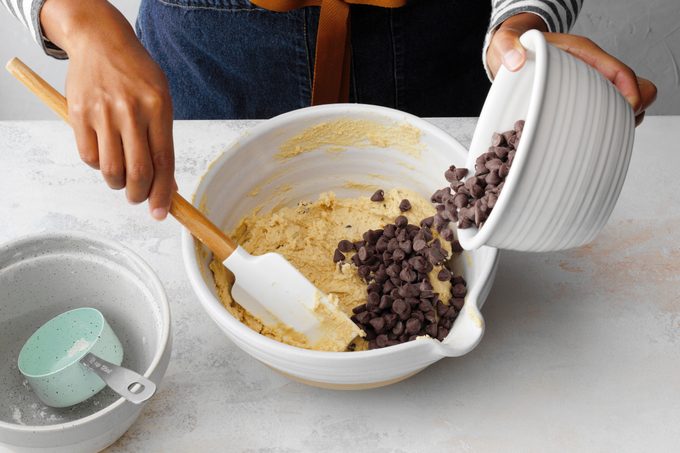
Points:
[[248, 174], [572, 158], [44, 275]]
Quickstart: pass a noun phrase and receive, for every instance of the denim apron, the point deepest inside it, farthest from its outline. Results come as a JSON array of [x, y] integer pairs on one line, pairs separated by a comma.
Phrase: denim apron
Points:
[[228, 59]]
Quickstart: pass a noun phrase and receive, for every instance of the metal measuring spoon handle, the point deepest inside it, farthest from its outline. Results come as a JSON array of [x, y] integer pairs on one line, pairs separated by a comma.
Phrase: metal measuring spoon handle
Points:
[[130, 385]]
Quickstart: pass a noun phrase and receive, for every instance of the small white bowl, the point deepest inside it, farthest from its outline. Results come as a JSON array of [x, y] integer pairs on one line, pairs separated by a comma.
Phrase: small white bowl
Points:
[[227, 193], [572, 158], [44, 275]]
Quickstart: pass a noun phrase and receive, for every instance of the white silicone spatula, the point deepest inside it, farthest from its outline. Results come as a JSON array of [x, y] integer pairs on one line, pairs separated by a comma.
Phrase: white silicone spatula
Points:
[[267, 286]]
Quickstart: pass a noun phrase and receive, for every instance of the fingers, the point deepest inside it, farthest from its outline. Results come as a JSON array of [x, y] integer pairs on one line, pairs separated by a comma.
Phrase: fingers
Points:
[[647, 92], [139, 170], [163, 158], [111, 158], [507, 50], [617, 72], [505, 47], [86, 141]]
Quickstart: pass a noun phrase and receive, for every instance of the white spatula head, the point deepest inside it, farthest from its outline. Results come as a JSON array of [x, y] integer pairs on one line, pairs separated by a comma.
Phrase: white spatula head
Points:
[[273, 290]]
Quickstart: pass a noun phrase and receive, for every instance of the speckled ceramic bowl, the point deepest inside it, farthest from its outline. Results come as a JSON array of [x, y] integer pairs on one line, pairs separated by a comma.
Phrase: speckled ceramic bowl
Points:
[[45, 275], [252, 173]]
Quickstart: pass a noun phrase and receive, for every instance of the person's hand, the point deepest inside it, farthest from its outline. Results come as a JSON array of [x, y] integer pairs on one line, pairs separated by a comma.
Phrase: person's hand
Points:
[[506, 49], [118, 100]]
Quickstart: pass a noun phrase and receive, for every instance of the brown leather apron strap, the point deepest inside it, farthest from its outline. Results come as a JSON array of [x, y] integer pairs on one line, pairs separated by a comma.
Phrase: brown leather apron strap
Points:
[[332, 60]]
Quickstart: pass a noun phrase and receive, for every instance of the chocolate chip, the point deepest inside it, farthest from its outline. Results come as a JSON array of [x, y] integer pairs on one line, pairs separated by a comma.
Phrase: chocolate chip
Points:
[[400, 306], [456, 247], [413, 326], [378, 324], [393, 270], [444, 275], [461, 173], [438, 195], [442, 333], [425, 306], [427, 222], [355, 259], [465, 222], [410, 290], [398, 328], [401, 221], [363, 317], [359, 308], [493, 164], [448, 235], [431, 330], [460, 200], [381, 340], [458, 290], [450, 174], [407, 275], [379, 195], [405, 205], [345, 246], [477, 191], [406, 246], [501, 152], [390, 231], [390, 320], [497, 139], [419, 245], [338, 256], [385, 302], [436, 256], [457, 303], [405, 314], [493, 177], [374, 287]]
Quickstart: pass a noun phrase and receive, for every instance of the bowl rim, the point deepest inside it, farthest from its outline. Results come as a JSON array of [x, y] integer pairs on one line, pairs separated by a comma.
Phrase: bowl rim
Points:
[[474, 237], [163, 306], [236, 328]]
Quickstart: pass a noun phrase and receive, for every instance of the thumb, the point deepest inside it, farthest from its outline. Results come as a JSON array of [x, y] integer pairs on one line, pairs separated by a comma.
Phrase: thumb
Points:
[[507, 50]]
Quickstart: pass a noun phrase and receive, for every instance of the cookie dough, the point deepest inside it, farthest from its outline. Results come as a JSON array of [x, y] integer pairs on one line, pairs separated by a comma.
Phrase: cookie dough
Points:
[[307, 236]]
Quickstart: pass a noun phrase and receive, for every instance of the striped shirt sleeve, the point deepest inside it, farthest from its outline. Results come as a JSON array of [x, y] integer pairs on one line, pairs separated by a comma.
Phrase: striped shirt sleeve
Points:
[[559, 16], [28, 13]]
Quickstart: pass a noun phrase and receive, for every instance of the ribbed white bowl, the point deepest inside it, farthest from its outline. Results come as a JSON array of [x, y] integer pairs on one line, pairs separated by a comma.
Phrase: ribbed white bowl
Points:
[[226, 192], [573, 155]]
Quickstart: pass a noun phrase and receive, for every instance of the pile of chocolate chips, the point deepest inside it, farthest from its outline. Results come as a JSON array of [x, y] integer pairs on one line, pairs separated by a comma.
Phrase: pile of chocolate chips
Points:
[[395, 262], [472, 201]]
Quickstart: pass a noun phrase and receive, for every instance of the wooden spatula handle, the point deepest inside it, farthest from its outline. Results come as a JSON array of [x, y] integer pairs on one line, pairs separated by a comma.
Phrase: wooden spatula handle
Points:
[[193, 219], [39, 86], [203, 229]]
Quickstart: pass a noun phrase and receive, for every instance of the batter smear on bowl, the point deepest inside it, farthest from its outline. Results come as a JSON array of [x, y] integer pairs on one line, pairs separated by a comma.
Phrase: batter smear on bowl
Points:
[[308, 235]]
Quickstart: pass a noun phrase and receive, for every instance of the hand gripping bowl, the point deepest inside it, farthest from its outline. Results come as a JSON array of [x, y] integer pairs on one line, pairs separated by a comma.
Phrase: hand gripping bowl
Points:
[[44, 275], [572, 158], [249, 174]]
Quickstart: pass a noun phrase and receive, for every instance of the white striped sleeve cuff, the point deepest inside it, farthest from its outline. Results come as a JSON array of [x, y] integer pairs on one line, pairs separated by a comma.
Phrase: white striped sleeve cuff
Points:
[[28, 13], [559, 16]]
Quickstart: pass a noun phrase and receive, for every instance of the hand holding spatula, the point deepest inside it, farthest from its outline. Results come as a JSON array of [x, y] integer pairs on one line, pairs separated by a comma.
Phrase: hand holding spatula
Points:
[[267, 286]]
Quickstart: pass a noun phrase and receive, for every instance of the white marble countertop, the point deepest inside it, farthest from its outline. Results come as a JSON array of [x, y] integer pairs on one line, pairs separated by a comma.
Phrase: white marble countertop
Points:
[[581, 353]]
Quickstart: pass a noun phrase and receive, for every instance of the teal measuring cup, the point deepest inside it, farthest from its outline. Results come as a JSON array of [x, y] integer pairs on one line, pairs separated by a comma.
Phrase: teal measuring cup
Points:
[[74, 356]]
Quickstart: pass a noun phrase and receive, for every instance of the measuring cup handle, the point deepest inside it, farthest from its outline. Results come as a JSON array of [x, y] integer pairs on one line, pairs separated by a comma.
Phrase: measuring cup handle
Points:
[[130, 385]]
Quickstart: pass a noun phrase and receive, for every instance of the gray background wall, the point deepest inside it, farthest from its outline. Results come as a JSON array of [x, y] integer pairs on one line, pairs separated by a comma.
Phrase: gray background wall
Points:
[[644, 34]]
